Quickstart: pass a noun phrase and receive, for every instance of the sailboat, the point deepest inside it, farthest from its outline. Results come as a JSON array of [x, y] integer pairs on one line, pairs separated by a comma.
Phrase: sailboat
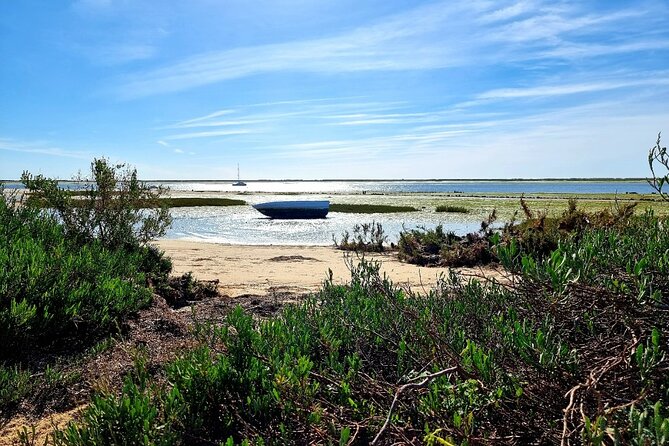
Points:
[[238, 182]]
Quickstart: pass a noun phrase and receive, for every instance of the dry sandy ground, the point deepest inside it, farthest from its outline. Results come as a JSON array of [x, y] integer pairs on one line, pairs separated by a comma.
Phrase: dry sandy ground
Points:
[[263, 270]]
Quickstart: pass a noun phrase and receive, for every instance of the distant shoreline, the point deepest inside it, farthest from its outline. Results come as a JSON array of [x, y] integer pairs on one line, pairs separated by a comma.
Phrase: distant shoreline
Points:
[[390, 180]]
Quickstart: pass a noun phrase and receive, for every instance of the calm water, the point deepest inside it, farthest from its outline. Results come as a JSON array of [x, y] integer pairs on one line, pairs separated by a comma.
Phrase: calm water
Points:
[[388, 187], [344, 187], [244, 225]]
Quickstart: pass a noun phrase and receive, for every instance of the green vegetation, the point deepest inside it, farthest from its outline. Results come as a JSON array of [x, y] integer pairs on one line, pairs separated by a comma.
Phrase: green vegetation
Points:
[[71, 274], [171, 202], [574, 347], [367, 237], [192, 202], [434, 247], [370, 208], [106, 211], [52, 286], [571, 346], [452, 209]]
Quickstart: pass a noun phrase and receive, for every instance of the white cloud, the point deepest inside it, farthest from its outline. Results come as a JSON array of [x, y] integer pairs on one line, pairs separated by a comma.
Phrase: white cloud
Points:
[[206, 134], [40, 147], [203, 118], [434, 36], [567, 89], [121, 53]]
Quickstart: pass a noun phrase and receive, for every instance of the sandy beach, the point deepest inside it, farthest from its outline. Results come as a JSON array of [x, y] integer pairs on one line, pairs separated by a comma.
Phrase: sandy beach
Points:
[[266, 270]]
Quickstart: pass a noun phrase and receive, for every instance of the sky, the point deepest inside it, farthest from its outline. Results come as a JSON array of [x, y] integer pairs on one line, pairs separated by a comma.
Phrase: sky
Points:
[[341, 89]]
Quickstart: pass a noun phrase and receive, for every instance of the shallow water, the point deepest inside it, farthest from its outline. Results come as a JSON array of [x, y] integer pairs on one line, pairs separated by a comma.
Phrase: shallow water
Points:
[[385, 187], [389, 187], [244, 225]]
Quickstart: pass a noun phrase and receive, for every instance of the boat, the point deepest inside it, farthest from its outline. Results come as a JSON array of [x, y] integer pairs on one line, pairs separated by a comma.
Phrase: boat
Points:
[[294, 209], [238, 182]]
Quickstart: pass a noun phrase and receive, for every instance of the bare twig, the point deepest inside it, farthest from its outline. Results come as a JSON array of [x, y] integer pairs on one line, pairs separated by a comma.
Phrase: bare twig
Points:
[[410, 385]]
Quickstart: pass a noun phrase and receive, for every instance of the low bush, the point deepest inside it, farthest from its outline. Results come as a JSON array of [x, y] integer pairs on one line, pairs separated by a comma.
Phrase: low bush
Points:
[[434, 247], [51, 287], [367, 237], [77, 267], [423, 246], [572, 349], [185, 289], [115, 209]]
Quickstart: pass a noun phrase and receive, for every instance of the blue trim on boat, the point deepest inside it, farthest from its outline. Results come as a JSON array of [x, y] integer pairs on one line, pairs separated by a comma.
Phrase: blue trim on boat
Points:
[[294, 209]]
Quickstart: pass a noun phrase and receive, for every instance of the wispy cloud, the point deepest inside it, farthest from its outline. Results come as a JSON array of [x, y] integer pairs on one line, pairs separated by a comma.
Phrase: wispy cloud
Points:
[[41, 148], [120, 53], [206, 134], [228, 123], [568, 89], [439, 35], [215, 114]]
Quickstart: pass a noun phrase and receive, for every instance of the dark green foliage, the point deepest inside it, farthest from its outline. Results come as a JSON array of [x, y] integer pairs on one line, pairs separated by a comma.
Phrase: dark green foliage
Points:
[[423, 246], [107, 211], [370, 208], [199, 201], [183, 290], [580, 331], [367, 237], [452, 209], [15, 385], [51, 286], [129, 419], [434, 247], [540, 235]]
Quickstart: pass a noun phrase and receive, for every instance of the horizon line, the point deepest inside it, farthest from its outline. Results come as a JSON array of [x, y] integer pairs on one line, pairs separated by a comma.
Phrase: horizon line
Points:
[[266, 180]]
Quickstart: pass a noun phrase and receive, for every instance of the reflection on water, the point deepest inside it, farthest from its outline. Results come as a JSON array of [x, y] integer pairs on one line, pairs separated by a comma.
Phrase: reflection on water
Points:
[[385, 187], [244, 225]]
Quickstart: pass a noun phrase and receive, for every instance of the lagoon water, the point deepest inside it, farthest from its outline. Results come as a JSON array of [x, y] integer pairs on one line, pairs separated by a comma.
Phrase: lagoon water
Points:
[[389, 187], [423, 187], [244, 225]]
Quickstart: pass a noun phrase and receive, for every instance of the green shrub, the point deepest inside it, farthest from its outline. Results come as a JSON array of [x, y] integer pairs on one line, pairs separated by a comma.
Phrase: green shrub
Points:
[[15, 384], [434, 247], [481, 357], [367, 237], [50, 286], [107, 210]]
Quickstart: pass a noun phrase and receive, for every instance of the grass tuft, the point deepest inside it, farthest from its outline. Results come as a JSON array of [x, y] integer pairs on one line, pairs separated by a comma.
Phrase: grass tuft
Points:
[[452, 209], [370, 208]]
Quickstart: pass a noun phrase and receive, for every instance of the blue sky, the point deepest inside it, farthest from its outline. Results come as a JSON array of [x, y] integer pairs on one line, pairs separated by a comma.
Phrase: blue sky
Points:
[[333, 89]]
